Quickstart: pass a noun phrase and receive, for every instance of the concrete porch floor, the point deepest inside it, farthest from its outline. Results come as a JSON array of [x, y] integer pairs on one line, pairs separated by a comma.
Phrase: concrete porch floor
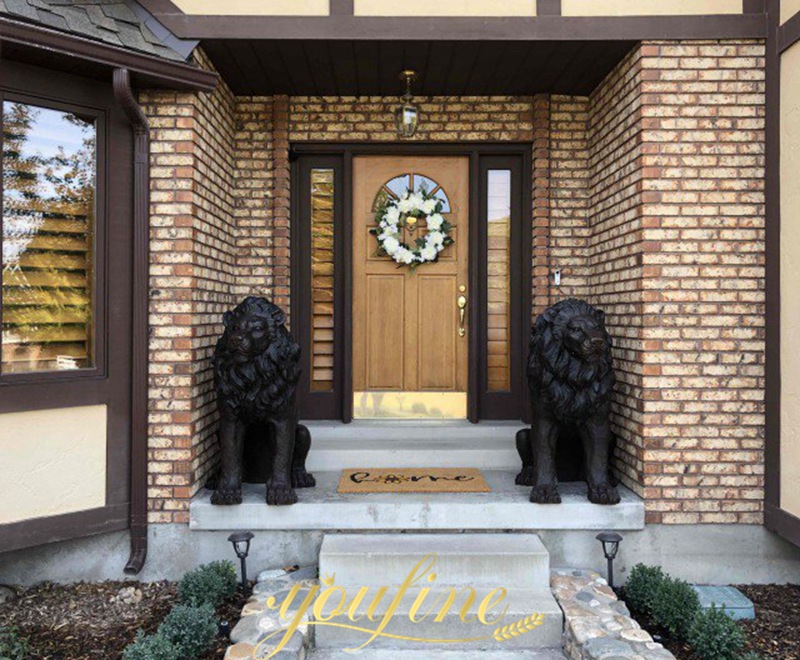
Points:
[[506, 507]]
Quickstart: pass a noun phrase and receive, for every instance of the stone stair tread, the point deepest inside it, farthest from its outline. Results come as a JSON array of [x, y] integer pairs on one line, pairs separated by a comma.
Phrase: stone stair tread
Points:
[[433, 654]]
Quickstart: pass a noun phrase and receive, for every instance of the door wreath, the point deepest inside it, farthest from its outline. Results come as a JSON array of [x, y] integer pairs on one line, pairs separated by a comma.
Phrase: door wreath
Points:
[[408, 212]]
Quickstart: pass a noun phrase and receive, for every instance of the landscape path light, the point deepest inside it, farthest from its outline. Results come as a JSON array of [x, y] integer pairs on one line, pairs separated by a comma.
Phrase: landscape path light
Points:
[[241, 546], [610, 541]]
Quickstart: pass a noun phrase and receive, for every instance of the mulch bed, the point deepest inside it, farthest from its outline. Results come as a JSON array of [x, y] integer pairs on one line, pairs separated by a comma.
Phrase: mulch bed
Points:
[[89, 621], [774, 634]]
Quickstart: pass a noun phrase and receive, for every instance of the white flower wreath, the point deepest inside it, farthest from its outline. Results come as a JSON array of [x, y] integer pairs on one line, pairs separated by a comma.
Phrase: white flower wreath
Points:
[[397, 214]]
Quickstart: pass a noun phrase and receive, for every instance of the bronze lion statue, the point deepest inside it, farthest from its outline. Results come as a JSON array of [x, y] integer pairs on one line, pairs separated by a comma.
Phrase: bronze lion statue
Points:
[[571, 380], [256, 369]]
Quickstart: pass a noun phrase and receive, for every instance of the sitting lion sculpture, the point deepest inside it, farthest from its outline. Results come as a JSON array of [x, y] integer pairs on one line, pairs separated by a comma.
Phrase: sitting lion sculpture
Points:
[[571, 379], [255, 373]]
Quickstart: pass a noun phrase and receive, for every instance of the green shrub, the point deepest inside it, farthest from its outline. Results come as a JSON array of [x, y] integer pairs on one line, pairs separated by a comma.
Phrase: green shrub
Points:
[[209, 584], [191, 630], [12, 646], [641, 587], [750, 655], [675, 606], [151, 647], [715, 636]]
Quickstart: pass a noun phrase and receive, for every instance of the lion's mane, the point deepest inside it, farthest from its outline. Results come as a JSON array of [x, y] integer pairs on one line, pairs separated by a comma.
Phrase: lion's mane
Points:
[[264, 386], [571, 387]]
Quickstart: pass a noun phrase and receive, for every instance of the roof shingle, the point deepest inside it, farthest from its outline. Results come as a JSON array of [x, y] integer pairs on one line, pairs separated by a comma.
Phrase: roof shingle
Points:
[[116, 22]]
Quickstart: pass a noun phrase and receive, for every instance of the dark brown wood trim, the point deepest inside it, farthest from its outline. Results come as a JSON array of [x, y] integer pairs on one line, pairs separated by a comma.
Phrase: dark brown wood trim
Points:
[[139, 317], [152, 70], [772, 183], [509, 404], [773, 265], [754, 6], [37, 531], [341, 7], [548, 7], [541, 28], [789, 33], [347, 267], [475, 293], [782, 523], [316, 405]]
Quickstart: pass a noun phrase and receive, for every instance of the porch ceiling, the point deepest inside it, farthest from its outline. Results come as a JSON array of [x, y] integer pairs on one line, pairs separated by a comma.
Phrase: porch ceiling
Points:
[[446, 68]]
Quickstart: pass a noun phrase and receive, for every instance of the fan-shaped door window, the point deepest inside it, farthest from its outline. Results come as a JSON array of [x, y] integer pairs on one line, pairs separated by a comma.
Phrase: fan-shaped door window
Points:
[[397, 187]]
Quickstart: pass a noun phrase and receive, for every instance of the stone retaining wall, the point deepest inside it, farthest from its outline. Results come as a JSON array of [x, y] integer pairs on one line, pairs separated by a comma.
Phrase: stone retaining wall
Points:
[[597, 625]]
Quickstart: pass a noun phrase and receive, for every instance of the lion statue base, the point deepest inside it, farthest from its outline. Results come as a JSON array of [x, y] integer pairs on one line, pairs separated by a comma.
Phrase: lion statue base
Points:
[[256, 369], [571, 380]]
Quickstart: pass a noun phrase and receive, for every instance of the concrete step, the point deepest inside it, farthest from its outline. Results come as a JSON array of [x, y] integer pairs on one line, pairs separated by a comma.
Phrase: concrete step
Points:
[[422, 654], [376, 444], [464, 563], [473, 635], [493, 560]]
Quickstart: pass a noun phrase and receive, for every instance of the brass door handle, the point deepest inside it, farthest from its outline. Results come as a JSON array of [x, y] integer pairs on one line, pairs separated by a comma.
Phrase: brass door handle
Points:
[[462, 313]]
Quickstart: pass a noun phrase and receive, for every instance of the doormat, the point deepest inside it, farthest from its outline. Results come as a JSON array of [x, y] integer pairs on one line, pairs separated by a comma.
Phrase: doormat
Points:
[[413, 480]]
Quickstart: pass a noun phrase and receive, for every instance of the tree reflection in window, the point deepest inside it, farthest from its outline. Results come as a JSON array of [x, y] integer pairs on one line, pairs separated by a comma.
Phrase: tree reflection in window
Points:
[[48, 218]]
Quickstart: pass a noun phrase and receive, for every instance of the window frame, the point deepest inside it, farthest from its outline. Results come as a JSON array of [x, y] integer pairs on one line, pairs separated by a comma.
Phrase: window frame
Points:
[[98, 337]]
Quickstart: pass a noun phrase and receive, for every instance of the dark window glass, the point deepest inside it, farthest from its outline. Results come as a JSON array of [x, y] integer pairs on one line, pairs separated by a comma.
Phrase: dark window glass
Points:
[[48, 224]]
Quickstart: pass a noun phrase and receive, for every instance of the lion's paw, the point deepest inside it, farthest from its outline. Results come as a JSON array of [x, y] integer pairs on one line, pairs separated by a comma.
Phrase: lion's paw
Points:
[[547, 494], [226, 496], [525, 478], [280, 494], [303, 479], [603, 494]]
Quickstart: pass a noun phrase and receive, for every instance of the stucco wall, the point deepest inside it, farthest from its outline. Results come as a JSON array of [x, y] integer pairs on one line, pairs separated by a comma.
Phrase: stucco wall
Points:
[[53, 462], [445, 8], [788, 9], [255, 7], [790, 277], [649, 7]]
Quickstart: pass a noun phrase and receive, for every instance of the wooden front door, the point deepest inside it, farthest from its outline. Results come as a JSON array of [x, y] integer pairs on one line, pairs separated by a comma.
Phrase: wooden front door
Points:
[[410, 337]]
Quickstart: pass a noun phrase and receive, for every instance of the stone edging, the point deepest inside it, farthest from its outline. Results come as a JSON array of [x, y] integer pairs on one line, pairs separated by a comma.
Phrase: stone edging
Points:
[[597, 624], [257, 621]]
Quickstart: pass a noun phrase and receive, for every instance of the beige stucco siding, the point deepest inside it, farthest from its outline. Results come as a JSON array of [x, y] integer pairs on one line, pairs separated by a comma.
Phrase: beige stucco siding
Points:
[[254, 7], [649, 7], [788, 9], [790, 280], [52, 462], [445, 8]]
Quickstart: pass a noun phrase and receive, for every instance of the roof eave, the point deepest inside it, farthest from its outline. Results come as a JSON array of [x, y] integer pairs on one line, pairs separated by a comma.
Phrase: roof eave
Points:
[[148, 70]]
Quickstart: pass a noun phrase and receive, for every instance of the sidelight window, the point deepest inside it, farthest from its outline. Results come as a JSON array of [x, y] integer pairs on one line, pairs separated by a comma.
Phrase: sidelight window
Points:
[[499, 280]]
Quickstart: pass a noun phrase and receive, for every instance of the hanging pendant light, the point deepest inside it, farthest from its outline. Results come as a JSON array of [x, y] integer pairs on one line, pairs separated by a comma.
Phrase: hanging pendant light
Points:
[[407, 114]]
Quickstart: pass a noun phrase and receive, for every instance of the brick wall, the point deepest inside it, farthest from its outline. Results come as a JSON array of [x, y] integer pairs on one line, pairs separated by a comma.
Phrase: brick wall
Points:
[[254, 149], [193, 254], [676, 256], [703, 285], [614, 265]]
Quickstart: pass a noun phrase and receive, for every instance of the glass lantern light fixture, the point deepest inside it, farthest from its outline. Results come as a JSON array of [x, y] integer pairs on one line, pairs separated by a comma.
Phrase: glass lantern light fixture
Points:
[[241, 546], [610, 542], [407, 114]]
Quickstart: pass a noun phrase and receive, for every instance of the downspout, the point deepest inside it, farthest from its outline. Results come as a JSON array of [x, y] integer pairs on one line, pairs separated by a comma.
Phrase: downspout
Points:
[[141, 257]]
